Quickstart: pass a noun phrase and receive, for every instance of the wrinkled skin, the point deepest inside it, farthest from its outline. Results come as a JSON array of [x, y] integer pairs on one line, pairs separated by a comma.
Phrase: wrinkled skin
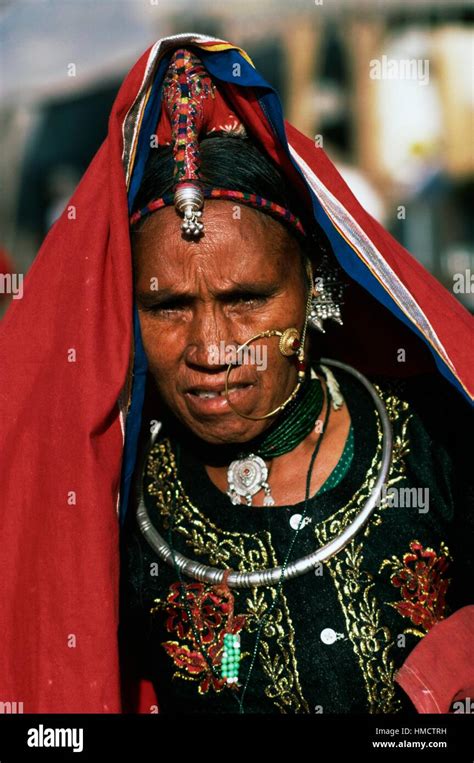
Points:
[[243, 276]]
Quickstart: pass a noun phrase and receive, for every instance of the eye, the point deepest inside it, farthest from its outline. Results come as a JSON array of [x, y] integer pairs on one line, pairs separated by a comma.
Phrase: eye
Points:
[[248, 299], [164, 308]]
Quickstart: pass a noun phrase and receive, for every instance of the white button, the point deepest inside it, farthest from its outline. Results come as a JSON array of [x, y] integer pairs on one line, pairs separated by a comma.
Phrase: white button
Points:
[[328, 636], [296, 519]]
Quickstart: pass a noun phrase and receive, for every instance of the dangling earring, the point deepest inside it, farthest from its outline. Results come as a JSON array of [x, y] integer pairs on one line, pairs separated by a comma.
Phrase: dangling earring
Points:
[[328, 292]]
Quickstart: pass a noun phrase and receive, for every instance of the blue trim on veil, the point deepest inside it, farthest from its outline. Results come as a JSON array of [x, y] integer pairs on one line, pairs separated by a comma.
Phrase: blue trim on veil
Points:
[[218, 65], [221, 65], [140, 363]]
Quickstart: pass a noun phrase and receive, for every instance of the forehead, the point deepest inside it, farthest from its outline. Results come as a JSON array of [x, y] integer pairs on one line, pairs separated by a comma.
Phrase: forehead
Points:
[[236, 240]]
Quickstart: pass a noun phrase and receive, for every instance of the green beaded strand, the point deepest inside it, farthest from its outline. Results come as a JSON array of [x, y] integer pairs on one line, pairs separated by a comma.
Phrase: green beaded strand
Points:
[[295, 424], [231, 658]]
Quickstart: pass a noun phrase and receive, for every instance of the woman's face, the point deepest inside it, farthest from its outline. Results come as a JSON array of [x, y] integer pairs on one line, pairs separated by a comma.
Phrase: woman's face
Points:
[[200, 299]]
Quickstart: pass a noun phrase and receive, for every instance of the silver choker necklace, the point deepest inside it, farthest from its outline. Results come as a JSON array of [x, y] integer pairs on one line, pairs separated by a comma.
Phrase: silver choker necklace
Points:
[[273, 575]]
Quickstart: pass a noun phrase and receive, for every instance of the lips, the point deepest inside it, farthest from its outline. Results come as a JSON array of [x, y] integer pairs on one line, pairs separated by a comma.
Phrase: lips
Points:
[[210, 399], [208, 393]]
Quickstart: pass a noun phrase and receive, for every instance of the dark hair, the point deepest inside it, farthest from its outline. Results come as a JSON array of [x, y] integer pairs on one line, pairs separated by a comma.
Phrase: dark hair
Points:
[[227, 161], [235, 162]]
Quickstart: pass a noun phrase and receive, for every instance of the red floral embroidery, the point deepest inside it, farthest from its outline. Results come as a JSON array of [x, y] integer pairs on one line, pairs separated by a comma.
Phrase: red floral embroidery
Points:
[[211, 608], [420, 576]]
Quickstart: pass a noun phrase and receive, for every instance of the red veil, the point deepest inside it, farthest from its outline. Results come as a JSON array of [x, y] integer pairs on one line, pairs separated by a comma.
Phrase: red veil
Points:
[[69, 356]]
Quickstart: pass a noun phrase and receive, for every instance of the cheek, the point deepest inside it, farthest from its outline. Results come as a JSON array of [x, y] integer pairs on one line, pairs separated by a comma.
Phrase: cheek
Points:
[[161, 344], [290, 312]]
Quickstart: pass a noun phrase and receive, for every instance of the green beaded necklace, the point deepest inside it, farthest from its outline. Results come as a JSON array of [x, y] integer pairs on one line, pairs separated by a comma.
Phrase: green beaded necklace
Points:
[[230, 658], [248, 474], [295, 424]]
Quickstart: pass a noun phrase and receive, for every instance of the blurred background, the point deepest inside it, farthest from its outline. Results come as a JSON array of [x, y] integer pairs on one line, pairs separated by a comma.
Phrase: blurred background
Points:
[[384, 86]]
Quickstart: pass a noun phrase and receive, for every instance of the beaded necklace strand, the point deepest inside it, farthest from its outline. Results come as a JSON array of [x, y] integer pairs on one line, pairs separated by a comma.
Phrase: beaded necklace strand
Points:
[[295, 425], [232, 668]]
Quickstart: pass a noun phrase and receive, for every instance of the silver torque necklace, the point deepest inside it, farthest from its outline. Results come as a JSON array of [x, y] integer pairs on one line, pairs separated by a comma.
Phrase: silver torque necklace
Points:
[[273, 575]]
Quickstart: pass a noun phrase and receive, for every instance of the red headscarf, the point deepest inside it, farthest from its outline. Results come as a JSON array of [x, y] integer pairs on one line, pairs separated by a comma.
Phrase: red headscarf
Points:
[[68, 353]]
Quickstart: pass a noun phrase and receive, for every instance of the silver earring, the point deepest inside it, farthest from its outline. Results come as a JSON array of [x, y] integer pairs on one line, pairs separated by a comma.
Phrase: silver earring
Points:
[[328, 290]]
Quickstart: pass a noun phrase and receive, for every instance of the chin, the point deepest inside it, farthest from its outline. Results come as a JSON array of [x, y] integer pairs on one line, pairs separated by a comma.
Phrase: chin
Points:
[[214, 422], [234, 431], [220, 434]]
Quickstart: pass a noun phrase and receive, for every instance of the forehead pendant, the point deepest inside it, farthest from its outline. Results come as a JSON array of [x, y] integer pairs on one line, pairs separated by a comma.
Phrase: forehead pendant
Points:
[[189, 200]]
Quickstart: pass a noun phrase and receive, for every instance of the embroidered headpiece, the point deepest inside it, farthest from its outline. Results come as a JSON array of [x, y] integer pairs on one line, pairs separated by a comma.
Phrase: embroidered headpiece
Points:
[[193, 107]]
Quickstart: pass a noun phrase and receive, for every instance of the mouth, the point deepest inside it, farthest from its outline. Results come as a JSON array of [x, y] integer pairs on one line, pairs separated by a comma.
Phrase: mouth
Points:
[[208, 393], [206, 399]]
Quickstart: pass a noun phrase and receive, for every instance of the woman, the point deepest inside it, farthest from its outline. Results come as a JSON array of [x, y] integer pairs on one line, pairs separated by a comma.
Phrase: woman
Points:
[[290, 506]]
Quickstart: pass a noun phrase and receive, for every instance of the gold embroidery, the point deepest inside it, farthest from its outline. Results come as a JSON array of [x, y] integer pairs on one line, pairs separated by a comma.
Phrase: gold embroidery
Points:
[[395, 410], [371, 640], [395, 407], [243, 552]]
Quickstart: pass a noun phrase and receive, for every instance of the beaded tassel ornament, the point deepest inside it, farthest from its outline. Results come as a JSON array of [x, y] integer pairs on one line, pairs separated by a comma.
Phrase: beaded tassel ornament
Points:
[[230, 655], [231, 658]]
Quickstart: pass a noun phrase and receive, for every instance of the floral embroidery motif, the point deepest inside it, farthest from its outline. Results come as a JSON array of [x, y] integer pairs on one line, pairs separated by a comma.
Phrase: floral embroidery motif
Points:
[[241, 551], [420, 576], [356, 588], [212, 615]]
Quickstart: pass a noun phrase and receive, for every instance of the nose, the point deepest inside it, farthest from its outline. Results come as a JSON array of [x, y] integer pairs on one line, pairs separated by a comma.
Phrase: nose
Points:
[[209, 335]]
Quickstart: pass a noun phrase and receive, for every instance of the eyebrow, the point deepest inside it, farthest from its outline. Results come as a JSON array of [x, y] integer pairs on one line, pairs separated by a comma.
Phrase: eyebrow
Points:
[[148, 298]]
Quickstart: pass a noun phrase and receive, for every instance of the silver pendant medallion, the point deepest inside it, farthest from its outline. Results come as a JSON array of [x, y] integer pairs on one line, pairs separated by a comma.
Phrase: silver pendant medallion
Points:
[[246, 477]]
